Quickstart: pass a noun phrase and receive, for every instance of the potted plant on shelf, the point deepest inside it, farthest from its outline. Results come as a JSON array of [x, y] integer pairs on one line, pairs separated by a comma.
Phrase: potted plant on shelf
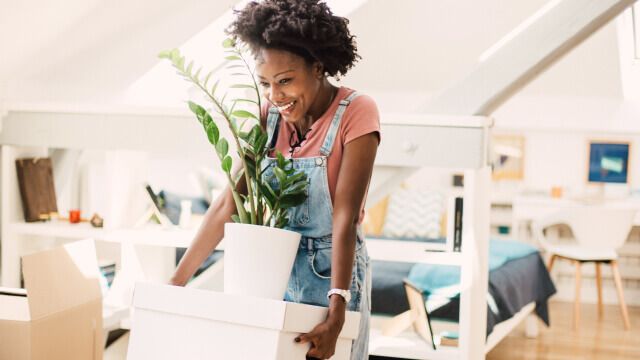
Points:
[[259, 253]]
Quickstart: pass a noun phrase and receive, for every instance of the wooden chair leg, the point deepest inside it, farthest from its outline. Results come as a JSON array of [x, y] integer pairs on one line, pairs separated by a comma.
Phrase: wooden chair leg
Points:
[[623, 304], [599, 286], [576, 303], [551, 261]]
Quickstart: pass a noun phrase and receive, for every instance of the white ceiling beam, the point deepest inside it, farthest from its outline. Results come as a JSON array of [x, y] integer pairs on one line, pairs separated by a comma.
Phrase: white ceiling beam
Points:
[[525, 53], [514, 62]]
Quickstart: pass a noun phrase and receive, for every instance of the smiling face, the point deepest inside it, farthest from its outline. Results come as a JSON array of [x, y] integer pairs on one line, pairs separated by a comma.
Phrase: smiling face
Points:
[[291, 84]]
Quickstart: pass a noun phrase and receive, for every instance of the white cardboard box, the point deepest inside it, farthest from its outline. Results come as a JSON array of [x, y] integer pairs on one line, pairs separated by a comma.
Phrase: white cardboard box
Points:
[[59, 316], [172, 322]]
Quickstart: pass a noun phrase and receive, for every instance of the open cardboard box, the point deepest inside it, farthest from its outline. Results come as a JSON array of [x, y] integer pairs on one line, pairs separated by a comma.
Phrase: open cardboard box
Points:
[[59, 315], [172, 322]]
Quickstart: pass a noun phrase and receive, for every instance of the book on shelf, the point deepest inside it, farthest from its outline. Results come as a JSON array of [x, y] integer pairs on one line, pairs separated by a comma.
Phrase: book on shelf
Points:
[[35, 180], [454, 224], [448, 338]]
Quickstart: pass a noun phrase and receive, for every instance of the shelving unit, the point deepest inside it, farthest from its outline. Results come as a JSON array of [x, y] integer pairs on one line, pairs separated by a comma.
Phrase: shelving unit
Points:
[[421, 142], [36, 130]]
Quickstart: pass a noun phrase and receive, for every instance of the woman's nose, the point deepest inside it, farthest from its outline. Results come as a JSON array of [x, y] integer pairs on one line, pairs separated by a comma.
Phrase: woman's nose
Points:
[[276, 95]]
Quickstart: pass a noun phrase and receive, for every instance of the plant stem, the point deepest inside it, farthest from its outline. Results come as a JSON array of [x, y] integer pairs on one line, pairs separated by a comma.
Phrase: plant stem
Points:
[[240, 151]]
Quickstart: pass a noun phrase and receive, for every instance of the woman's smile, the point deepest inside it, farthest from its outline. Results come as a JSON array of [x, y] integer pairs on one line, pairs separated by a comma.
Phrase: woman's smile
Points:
[[287, 108]]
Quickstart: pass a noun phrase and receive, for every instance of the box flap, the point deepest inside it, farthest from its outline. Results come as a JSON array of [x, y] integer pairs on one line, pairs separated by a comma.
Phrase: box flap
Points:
[[14, 304], [302, 318], [204, 304], [61, 278]]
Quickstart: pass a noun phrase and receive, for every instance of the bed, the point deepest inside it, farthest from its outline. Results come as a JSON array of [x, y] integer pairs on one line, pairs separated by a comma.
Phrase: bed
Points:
[[519, 284]]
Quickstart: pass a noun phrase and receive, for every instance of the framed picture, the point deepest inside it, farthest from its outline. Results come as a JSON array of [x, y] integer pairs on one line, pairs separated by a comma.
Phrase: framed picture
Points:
[[420, 315], [608, 161], [507, 157]]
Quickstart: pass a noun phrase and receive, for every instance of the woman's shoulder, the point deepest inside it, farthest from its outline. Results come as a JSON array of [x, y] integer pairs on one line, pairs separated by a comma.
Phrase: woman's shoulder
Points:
[[362, 105], [360, 117], [361, 100]]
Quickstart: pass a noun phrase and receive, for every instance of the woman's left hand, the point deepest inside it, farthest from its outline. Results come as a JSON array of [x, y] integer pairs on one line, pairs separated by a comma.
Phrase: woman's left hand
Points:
[[323, 338]]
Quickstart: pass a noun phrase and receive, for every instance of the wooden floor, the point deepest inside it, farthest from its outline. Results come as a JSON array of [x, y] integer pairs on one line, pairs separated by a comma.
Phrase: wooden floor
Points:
[[596, 339]]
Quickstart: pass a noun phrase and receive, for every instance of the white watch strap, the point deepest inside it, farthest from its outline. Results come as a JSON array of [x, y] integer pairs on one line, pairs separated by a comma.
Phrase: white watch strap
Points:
[[346, 294]]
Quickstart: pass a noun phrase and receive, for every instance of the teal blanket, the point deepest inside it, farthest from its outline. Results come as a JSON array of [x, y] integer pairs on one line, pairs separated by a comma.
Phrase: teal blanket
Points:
[[444, 280]]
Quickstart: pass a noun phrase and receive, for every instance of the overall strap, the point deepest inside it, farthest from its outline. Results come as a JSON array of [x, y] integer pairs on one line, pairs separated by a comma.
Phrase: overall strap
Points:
[[273, 125], [335, 124]]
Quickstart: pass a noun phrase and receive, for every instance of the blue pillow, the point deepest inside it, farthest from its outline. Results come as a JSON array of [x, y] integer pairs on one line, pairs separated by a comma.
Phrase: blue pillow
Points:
[[444, 280]]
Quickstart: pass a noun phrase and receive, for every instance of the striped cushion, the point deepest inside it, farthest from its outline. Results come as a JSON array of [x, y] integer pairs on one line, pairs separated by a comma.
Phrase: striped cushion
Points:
[[414, 214]]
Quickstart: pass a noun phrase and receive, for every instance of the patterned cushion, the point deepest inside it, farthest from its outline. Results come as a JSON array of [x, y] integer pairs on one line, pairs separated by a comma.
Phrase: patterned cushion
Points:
[[374, 217], [414, 214]]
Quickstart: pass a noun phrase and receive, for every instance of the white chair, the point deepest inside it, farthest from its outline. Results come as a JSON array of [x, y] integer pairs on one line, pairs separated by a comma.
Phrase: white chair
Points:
[[599, 231]]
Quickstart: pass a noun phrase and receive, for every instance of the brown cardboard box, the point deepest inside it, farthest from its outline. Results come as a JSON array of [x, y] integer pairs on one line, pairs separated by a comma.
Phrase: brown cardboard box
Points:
[[59, 316]]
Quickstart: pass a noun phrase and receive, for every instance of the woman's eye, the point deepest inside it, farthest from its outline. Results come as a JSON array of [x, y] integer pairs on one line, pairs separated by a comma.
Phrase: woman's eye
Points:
[[285, 81], [264, 84]]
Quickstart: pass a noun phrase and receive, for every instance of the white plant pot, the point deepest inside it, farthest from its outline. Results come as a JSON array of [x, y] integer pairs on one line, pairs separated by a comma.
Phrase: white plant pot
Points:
[[258, 260]]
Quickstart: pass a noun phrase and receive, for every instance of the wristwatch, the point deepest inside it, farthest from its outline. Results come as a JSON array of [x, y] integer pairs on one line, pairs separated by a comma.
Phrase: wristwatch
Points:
[[346, 294]]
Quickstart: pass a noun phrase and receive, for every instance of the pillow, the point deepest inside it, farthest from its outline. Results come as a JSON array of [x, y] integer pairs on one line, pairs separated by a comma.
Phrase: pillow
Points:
[[374, 217], [414, 214]]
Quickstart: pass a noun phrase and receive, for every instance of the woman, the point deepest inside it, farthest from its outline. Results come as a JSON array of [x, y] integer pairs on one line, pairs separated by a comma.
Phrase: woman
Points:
[[332, 134]]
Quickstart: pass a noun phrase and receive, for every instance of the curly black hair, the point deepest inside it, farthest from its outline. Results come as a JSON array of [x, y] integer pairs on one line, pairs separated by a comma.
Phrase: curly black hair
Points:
[[306, 28]]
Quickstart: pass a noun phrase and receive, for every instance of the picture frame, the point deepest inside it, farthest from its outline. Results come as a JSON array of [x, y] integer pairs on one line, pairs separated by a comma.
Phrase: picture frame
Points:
[[419, 313], [608, 161], [507, 157]]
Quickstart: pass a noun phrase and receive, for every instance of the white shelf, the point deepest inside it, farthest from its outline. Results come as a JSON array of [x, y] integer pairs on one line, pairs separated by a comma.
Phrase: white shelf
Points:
[[57, 229], [148, 235], [412, 252], [407, 345]]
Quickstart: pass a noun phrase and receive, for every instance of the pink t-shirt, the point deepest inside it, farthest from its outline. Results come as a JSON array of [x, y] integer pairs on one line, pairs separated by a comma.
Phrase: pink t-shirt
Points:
[[361, 117]]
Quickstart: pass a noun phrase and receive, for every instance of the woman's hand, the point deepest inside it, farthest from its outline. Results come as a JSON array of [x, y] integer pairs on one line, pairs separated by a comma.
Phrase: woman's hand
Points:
[[323, 339], [324, 336]]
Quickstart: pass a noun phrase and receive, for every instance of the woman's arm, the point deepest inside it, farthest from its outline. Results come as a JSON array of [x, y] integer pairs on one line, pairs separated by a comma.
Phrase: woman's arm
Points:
[[209, 235], [355, 172]]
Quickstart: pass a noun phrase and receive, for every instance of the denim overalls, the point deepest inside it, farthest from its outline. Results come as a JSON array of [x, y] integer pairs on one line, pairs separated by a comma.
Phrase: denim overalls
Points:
[[311, 275]]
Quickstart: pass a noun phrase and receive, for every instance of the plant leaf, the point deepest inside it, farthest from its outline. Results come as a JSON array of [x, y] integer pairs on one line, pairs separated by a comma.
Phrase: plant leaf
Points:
[[292, 200], [212, 132], [244, 114], [242, 86], [206, 79], [165, 54], [222, 147], [246, 100], [280, 174], [233, 57], [226, 163], [228, 43]]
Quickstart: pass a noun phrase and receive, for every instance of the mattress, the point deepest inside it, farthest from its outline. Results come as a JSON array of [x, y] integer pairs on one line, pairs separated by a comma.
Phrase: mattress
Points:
[[512, 285]]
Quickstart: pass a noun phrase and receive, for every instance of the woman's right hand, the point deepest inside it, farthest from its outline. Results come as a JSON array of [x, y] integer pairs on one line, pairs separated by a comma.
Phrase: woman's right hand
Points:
[[175, 282]]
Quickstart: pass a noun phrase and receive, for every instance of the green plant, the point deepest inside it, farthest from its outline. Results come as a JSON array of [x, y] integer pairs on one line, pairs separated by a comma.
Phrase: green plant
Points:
[[267, 198]]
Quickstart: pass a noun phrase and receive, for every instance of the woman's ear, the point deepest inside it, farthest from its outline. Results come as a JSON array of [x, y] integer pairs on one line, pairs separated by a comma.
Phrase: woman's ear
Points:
[[318, 70]]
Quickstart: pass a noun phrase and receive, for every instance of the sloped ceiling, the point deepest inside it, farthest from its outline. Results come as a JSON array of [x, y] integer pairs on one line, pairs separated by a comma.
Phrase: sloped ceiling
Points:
[[92, 51]]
